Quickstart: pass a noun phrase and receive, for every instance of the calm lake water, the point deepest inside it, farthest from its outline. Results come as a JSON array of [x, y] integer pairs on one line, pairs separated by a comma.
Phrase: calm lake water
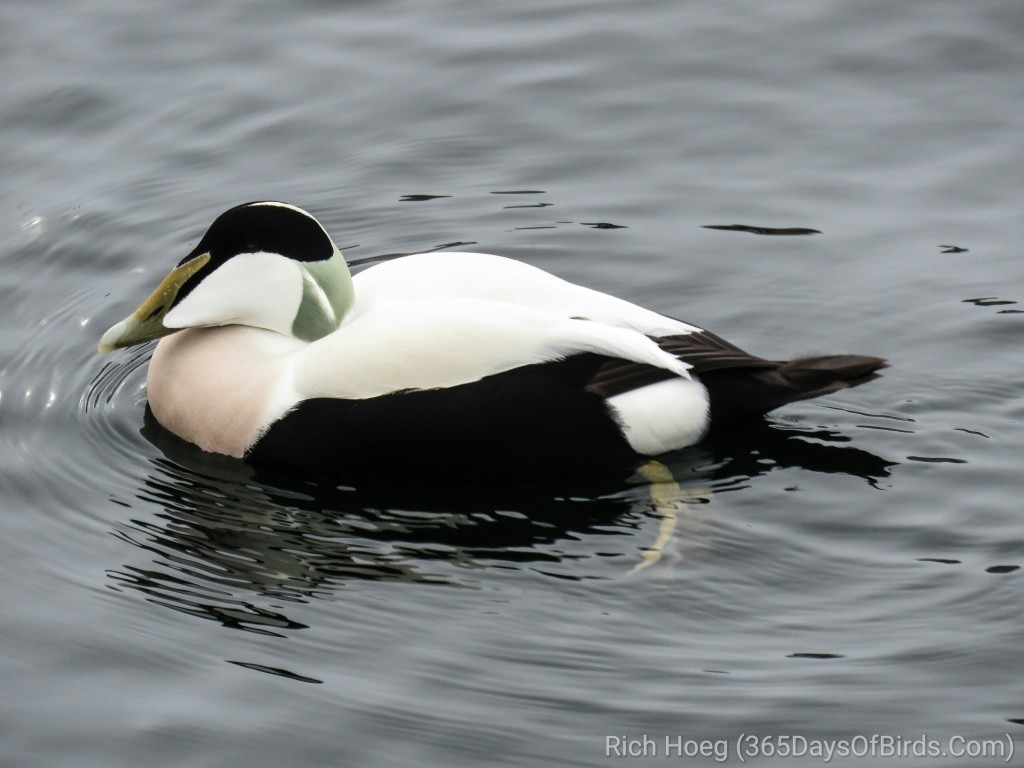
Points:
[[848, 568]]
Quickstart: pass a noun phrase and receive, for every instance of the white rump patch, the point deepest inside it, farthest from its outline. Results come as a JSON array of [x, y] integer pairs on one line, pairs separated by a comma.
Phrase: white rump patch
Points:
[[663, 417]]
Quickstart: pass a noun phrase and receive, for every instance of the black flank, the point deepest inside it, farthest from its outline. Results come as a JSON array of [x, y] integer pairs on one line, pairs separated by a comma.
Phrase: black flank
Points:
[[532, 422]]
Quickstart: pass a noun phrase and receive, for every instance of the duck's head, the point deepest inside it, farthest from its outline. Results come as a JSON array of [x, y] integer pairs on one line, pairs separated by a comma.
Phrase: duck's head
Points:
[[264, 264]]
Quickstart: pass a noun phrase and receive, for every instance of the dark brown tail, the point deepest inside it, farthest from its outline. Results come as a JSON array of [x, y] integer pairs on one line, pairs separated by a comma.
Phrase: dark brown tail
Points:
[[813, 376], [738, 393]]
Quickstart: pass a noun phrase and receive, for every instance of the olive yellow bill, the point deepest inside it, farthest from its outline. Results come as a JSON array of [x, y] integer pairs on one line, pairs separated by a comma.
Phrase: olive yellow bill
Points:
[[146, 322]]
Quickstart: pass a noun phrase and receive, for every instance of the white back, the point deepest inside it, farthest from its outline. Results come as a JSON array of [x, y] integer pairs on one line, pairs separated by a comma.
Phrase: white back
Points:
[[496, 278]]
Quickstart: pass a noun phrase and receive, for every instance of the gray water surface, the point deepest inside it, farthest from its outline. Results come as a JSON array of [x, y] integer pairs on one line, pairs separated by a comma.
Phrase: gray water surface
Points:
[[847, 568]]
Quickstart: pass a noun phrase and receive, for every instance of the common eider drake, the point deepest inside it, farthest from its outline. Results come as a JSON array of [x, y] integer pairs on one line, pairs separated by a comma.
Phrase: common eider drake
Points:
[[444, 363]]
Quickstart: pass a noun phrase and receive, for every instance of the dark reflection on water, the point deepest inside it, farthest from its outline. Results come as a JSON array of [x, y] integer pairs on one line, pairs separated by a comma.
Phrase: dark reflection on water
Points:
[[763, 446], [234, 544], [994, 301], [220, 547], [275, 671], [763, 230]]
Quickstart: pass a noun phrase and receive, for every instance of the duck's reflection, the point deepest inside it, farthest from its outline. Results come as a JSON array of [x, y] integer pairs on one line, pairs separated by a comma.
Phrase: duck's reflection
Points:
[[764, 446], [237, 546]]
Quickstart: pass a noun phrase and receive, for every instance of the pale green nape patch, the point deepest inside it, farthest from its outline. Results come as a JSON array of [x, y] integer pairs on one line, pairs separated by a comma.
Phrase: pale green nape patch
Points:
[[327, 295]]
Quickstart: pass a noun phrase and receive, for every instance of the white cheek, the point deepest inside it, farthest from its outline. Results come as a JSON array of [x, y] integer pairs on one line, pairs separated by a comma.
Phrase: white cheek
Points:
[[263, 290]]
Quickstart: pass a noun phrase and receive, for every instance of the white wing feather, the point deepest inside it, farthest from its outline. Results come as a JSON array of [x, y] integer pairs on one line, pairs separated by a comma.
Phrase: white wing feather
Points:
[[433, 343]]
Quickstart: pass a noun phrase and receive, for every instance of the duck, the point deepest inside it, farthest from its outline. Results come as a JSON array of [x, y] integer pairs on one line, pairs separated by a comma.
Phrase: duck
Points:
[[438, 364]]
